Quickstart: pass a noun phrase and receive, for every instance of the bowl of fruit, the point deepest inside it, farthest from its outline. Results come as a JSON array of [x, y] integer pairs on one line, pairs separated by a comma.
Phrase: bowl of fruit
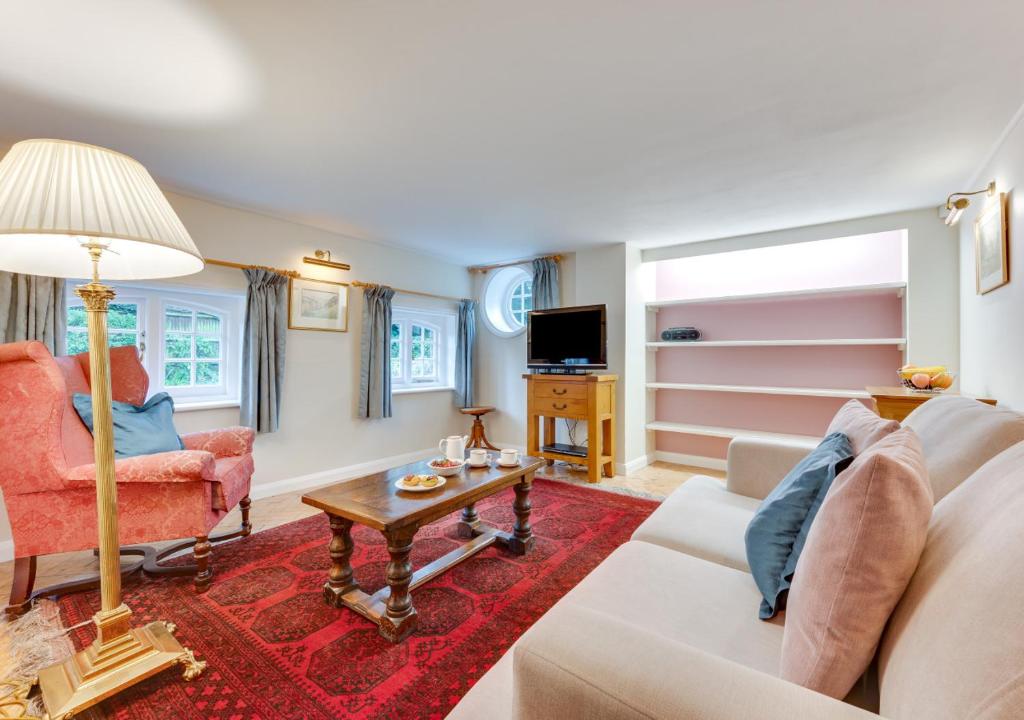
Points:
[[934, 378], [445, 467]]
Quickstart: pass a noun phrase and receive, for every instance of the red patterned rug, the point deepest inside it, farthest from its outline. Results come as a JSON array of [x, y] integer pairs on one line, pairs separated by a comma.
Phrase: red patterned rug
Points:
[[276, 650]]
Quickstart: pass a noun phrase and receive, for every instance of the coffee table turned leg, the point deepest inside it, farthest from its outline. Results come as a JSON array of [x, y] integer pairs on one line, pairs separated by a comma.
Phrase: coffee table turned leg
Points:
[[340, 580], [399, 619], [467, 527], [522, 532]]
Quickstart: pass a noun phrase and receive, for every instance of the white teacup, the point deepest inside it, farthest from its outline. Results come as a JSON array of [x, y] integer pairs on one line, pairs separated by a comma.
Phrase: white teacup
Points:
[[478, 456], [509, 457]]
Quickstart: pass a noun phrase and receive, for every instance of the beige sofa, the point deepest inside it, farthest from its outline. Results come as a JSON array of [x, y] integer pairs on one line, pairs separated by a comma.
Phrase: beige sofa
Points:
[[667, 626]]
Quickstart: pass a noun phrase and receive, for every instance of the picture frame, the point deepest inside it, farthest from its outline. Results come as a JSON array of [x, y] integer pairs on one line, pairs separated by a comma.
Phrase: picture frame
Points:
[[317, 305], [992, 246]]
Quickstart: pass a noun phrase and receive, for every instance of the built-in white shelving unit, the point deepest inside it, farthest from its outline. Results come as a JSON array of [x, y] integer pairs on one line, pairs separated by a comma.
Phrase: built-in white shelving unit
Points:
[[899, 342], [726, 432], [876, 288], [758, 377], [762, 390]]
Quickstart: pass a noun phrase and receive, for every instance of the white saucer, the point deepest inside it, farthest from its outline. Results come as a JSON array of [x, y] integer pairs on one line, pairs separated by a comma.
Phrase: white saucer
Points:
[[477, 467], [509, 465]]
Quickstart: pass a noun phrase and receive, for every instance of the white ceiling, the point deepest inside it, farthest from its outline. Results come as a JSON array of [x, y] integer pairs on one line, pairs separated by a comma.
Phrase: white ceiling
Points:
[[484, 130]]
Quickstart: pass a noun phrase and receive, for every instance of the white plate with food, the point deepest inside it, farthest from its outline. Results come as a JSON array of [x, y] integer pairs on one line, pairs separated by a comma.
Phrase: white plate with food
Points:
[[420, 483]]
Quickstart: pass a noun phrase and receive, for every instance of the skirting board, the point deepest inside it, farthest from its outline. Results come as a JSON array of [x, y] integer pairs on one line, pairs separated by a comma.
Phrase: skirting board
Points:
[[693, 460], [326, 477]]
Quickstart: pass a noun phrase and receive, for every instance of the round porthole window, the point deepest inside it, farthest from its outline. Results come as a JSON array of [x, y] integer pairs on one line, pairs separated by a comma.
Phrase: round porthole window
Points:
[[508, 300]]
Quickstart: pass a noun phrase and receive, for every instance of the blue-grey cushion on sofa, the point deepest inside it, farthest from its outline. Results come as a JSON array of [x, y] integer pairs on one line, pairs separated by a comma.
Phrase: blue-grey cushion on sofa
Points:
[[777, 531], [138, 429]]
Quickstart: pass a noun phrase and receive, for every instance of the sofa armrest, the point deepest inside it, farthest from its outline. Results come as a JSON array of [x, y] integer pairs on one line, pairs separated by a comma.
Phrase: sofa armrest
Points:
[[167, 467], [596, 666], [225, 442], [754, 466]]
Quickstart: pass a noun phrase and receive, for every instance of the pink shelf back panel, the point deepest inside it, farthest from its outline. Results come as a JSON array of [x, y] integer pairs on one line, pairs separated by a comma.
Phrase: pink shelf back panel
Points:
[[772, 413], [702, 446], [835, 366], [859, 316], [838, 262]]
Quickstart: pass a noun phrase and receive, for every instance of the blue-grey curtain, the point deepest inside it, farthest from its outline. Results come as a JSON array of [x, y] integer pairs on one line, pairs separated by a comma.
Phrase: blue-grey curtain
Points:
[[545, 283], [32, 308], [464, 343], [266, 327], [375, 360]]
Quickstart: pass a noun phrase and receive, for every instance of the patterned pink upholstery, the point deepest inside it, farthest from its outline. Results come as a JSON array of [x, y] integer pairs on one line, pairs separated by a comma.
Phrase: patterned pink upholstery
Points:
[[46, 460]]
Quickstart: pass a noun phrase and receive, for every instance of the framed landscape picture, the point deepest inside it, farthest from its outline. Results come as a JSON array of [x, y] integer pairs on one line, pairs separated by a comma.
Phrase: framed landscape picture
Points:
[[317, 305], [991, 246]]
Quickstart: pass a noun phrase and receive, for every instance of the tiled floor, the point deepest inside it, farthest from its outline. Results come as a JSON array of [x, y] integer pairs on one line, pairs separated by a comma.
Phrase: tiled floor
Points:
[[657, 480]]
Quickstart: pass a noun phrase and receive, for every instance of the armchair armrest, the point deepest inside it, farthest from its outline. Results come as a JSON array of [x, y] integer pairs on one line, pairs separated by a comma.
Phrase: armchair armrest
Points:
[[754, 466], [622, 672], [177, 466], [226, 442]]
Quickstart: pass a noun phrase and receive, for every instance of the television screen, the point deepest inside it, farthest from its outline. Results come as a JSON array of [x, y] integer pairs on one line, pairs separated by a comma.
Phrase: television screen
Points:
[[567, 337]]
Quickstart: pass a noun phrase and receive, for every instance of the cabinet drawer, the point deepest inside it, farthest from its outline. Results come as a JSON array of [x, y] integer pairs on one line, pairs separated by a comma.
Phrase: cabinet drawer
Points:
[[560, 406], [576, 391]]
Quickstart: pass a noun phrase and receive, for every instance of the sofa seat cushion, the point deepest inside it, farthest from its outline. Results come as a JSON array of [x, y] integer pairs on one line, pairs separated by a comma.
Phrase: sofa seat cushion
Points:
[[701, 518], [703, 604]]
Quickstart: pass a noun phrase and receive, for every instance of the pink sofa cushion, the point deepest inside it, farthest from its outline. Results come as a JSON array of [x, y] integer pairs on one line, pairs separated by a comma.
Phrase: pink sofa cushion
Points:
[[860, 554], [863, 427]]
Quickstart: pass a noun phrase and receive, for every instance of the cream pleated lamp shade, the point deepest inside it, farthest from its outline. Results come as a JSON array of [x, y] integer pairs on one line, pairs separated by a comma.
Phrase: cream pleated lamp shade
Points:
[[57, 195]]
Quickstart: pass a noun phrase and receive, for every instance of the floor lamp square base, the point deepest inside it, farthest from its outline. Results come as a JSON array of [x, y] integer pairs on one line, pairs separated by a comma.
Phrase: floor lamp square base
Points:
[[99, 672]]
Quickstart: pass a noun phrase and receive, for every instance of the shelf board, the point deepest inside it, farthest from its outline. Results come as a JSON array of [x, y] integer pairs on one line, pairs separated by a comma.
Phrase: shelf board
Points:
[[874, 289], [726, 432], [763, 390], [816, 342]]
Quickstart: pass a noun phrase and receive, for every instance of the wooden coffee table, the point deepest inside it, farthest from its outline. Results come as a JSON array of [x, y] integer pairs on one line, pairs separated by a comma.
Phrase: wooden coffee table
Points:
[[375, 502]]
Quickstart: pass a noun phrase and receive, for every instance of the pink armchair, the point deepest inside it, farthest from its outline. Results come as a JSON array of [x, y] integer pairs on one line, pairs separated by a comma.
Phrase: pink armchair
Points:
[[48, 476]]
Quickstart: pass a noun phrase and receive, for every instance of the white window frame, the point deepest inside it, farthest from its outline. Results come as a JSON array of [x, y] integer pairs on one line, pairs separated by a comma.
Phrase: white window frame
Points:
[[514, 292], [153, 301], [496, 300], [444, 326]]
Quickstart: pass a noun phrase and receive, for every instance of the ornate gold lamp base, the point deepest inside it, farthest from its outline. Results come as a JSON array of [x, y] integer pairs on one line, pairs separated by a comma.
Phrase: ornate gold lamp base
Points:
[[115, 660]]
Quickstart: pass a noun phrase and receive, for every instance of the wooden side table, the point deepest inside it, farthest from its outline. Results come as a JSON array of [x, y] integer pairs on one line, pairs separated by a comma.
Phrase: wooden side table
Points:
[[896, 402], [576, 397]]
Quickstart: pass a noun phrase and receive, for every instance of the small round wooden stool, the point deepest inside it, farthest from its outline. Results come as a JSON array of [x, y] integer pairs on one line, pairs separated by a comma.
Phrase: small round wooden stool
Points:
[[477, 438]]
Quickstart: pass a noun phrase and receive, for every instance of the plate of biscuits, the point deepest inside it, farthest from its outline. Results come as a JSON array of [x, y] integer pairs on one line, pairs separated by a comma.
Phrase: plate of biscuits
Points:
[[420, 483]]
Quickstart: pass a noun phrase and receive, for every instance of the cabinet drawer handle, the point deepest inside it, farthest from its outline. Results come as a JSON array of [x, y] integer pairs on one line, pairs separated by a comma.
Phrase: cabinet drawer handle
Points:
[[556, 406], [559, 391]]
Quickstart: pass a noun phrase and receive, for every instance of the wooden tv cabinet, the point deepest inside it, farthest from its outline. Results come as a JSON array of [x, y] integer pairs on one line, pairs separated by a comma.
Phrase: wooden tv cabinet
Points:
[[575, 397]]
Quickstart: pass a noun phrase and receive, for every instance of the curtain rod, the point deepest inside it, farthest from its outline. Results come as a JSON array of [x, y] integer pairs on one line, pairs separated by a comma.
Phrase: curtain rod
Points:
[[359, 284], [510, 263], [299, 276], [243, 266]]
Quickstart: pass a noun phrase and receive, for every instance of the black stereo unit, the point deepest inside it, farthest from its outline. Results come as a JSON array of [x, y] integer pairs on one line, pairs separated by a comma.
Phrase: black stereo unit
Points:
[[680, 333]]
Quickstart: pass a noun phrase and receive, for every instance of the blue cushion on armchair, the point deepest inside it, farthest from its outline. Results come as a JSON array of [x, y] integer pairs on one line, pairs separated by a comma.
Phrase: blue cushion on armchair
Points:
[[779, 528], [138, 429]]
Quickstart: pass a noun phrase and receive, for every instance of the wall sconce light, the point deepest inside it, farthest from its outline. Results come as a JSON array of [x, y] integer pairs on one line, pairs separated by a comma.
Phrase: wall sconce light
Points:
[[955, 208], [323, 257]]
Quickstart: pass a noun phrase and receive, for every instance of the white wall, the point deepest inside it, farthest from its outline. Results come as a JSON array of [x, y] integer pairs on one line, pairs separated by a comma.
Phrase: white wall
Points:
[[992, 325], [320, 432], [933, 272]]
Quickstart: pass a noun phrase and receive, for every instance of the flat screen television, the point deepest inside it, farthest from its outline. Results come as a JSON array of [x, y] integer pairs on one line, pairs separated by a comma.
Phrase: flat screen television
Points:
[[572, 338]]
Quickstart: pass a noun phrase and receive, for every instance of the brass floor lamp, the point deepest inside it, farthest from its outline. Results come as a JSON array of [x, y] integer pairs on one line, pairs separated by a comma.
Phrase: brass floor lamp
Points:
[[74, 210]]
